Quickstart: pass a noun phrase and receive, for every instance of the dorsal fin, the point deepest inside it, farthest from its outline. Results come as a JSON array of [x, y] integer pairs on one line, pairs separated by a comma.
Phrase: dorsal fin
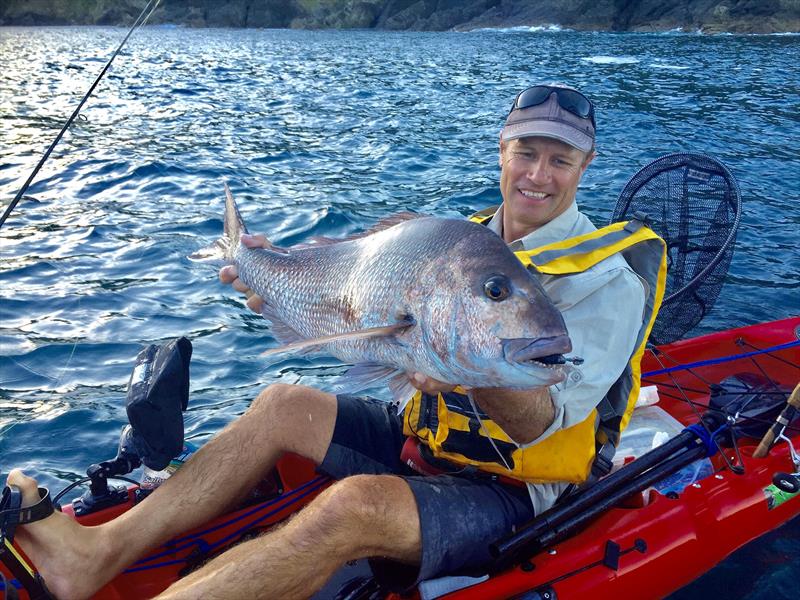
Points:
[[385, 223], [392, 220]]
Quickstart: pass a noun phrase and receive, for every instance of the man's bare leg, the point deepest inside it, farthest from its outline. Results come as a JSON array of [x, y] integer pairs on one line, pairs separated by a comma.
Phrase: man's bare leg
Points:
[[76, 561], [357, 517]]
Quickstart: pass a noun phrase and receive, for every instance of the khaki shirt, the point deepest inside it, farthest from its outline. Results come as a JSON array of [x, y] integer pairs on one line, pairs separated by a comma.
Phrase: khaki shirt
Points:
[[602, 308]]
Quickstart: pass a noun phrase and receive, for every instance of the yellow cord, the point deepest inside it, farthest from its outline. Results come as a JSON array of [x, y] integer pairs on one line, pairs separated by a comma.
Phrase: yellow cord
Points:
[[19, 558]]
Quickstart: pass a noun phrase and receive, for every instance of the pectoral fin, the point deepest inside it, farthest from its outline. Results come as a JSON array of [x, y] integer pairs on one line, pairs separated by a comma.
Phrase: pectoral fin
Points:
[[363, 376], [314, 344], [402, 390]]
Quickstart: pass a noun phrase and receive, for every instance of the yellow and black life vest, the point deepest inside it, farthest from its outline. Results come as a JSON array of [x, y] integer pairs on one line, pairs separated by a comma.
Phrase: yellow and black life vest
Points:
[[448, 425]]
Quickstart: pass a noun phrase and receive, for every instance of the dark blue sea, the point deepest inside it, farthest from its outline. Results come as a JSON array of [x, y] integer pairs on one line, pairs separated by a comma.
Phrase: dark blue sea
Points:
[[324, 133]]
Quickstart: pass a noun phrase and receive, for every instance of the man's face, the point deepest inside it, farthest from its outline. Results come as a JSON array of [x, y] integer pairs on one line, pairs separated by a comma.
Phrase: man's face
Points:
[[539, 179]]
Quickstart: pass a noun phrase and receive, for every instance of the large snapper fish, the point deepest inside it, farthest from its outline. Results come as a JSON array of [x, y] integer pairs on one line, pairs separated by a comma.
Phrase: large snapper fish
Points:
[[444, 297]]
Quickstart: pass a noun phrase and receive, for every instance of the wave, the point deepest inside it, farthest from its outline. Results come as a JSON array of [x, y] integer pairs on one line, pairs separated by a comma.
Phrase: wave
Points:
[[680, 31], [552, 28], [668, 66], [610, 60]]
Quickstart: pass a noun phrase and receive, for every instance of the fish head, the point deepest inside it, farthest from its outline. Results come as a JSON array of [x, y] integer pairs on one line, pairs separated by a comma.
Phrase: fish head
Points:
[[499, 327]]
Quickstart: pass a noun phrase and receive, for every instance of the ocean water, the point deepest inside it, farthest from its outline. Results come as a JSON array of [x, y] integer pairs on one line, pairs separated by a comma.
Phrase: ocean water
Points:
[[324, 133]]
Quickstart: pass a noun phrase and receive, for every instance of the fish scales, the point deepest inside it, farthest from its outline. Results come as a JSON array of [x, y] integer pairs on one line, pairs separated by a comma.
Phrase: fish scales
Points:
[[356, 284]]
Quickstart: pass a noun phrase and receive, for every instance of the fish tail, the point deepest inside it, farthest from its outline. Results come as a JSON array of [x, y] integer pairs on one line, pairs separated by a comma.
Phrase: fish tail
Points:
[[233, 227]]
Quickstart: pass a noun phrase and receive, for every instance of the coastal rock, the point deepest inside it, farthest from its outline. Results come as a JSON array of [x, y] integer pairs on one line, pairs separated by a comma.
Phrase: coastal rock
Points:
[[351, 14], [431, 15], [711, 16]]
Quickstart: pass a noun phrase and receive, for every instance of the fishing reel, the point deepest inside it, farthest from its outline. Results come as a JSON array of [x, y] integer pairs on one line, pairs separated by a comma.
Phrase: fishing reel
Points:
[[788, 482], [158, 393]]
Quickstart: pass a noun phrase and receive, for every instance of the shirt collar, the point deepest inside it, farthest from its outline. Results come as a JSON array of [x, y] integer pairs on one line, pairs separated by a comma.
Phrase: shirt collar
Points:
[[560, 228]]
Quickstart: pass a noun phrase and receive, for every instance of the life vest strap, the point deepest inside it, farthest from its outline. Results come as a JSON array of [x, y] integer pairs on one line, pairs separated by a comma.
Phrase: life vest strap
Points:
[[603, 461], [420, 458]]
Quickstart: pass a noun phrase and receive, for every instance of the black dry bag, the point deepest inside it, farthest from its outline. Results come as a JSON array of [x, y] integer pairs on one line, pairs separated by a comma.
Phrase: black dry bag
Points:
[[158, 393]]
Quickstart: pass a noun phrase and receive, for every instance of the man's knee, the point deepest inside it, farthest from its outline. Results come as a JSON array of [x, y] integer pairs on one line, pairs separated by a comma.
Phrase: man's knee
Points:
[[272, 397], [376, 514], [295, 418], [358, 500]]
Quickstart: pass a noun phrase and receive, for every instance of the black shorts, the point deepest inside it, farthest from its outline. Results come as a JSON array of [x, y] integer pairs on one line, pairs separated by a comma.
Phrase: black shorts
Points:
[[459, 516]]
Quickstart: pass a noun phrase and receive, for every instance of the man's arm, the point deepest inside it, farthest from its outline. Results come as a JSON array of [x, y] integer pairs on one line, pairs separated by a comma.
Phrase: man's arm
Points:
[[524, 415]]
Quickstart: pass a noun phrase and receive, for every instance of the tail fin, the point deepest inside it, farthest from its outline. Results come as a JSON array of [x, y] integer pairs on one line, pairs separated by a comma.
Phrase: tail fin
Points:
[[222, 249]]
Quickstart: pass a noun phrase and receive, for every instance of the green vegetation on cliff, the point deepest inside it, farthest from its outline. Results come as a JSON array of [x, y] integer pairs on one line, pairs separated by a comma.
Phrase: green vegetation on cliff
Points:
[[748, 16]]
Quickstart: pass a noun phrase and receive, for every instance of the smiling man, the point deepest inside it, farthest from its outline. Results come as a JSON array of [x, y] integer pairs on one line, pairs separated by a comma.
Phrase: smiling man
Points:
[[412, 527], [544, 151]]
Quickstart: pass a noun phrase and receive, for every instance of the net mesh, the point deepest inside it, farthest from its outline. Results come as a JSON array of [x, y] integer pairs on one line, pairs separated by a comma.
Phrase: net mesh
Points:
[[693, 202]]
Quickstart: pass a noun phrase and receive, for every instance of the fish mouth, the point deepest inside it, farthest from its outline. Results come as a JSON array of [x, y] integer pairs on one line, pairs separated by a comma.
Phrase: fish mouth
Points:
[[545, 352]]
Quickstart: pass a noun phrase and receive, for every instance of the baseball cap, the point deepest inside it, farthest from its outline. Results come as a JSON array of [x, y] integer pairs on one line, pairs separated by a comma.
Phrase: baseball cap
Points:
[[554, 111]]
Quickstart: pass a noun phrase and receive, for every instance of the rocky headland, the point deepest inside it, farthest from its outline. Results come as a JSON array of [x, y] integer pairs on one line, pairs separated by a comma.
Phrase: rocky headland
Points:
[[708, 16]]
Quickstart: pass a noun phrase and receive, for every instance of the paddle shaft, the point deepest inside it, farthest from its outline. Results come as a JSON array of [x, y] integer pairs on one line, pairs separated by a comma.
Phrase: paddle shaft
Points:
[[525, 543]]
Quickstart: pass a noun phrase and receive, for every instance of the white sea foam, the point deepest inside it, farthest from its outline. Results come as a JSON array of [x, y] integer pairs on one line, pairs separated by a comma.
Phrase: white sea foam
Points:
[[553, 28], [610, 60], [680, 31], [658, 65]]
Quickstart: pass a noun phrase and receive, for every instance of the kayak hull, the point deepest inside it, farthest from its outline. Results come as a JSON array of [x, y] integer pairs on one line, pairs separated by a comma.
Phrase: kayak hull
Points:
[[648, 548]]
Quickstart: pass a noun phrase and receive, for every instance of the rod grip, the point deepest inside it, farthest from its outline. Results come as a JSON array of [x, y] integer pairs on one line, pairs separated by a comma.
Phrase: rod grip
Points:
[[792, 404]]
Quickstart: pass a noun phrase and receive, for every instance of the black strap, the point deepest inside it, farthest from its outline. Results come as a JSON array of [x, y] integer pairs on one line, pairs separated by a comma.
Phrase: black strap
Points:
[[12, 513], [603, 461]]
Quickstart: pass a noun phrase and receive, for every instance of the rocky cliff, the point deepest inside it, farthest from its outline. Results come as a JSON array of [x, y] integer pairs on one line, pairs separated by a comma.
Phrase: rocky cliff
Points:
[[742, 16]]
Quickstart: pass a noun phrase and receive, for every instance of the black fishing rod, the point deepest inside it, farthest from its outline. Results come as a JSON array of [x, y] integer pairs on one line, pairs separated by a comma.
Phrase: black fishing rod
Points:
[[140, 20], [563, 519]]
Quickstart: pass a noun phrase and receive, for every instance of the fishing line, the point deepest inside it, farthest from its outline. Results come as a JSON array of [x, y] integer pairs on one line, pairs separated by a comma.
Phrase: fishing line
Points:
[[486, 431], [140, 20]]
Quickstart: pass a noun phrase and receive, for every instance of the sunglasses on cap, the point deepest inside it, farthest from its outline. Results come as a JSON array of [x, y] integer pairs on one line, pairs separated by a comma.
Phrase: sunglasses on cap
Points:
[[570, 100]]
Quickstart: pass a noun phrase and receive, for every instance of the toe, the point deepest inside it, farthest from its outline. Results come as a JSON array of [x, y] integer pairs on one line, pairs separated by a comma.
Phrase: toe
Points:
[[27, 485]]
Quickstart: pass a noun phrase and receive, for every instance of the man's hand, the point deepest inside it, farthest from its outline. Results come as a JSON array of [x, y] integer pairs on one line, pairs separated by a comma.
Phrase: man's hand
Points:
[[429, 385], [230, 275]]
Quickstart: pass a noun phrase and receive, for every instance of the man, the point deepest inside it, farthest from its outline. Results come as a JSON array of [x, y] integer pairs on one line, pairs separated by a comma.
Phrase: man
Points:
[[419, 526]]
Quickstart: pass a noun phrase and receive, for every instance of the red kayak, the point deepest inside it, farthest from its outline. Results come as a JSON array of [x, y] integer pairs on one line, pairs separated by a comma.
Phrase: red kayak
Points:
[[647, 545]]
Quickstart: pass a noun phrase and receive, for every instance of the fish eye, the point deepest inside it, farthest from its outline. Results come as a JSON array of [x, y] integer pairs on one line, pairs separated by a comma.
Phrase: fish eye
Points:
[[497, 288]]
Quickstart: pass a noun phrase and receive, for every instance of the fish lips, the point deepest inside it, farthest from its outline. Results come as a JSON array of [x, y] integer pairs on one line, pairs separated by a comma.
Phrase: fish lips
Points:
[[548, 351]]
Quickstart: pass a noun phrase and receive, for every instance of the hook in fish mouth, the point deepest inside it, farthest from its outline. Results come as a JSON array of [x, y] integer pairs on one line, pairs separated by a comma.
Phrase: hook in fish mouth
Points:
[[545, 351]]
